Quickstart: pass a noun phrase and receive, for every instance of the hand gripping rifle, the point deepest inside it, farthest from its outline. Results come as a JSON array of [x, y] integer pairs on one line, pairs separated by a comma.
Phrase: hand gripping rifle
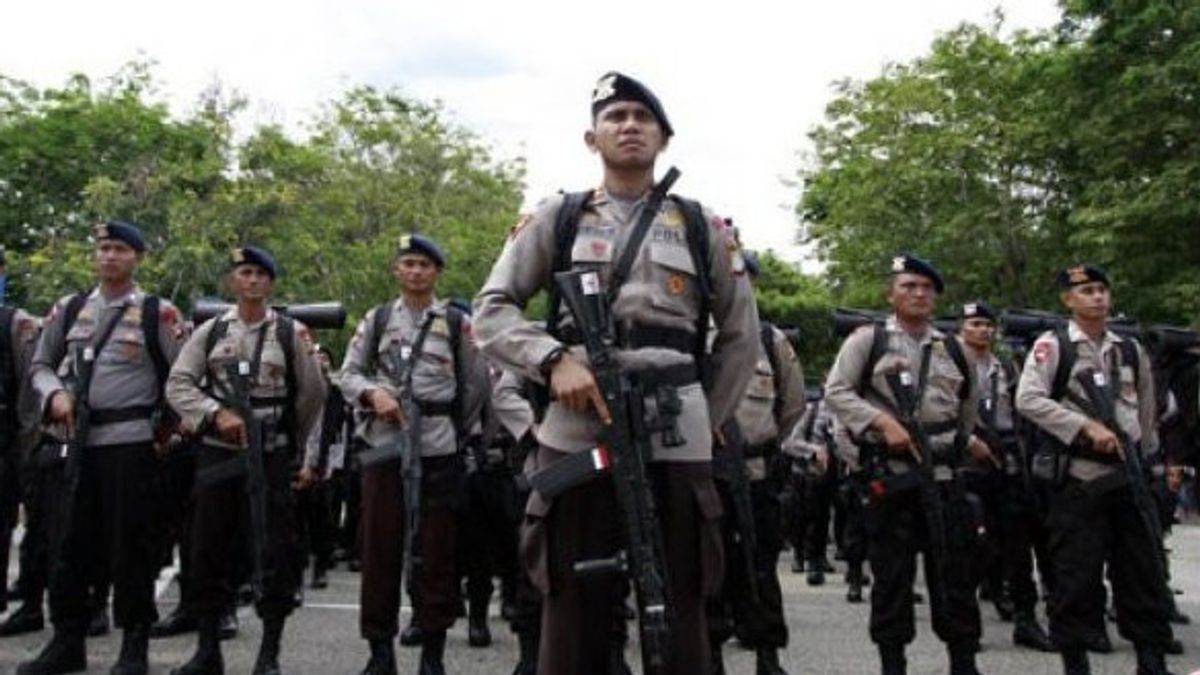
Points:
[[1095, 385], [908, 396], [626, 442]]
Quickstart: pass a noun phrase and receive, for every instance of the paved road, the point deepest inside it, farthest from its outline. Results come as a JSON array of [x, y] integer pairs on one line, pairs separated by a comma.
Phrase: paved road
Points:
[[828, 636]]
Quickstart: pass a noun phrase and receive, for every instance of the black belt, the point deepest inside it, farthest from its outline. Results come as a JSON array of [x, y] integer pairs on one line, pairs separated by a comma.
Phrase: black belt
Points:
[[762, 449], [935, 428], [1098, 457], [678, 375], [641, 337], [436, 408], [100, 418]]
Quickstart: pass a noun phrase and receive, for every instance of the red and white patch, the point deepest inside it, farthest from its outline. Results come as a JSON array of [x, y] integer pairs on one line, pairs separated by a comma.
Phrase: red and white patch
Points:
[[1042, 351], [599, 248]]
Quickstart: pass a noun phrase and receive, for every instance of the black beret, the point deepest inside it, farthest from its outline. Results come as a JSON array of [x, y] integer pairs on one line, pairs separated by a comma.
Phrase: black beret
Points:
[[120, 231], [415, 243], [614, 86], [977, 310], [914, 265], [254, 255], [1081, 274]]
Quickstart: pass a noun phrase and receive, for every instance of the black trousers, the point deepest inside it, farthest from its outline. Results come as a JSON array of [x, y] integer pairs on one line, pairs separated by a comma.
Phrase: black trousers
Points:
[[1023, 535], [1091, 525], [109, 535], [760, 622], [488, 521], [221, 537], [314, 518], [897, 532], [851, 495]]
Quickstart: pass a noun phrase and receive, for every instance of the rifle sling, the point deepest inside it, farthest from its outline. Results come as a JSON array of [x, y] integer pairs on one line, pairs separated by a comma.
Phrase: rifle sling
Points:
[[97, 345], [632, 247]]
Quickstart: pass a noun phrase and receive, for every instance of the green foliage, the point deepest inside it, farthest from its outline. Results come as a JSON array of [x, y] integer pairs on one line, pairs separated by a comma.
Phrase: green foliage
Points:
[[790, 299], [331, 205], [1006, 159]]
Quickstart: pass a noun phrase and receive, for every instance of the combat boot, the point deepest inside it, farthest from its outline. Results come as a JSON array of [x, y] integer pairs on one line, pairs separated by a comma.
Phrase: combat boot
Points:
[[1075, 662], [1150, 661], [816, 573], [411, 635], [854, 583], [1028, 633], [717, 658], [892, 661], [267, 661], [28, 618], [135, 641], [65, 653], [767, 662], [207, 660], [432, 652], [178, 622], [99, 624], [383, 659], [962, 658], [228, 624], [478, 634], [527, 659]]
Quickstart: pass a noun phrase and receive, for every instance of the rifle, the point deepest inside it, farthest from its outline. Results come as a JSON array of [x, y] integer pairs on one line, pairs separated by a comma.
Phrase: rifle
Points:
[[729, 467], [72, 450], [1095, 385], [908, 408], [626, 443], [406, 447], [252, 464]]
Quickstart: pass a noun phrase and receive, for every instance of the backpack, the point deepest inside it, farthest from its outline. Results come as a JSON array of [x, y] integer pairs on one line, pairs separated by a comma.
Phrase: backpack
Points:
[[150, 312], [767, 336]]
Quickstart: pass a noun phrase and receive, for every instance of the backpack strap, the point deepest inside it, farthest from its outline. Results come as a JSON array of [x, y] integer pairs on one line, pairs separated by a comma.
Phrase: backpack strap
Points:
[[8, 371], [701, 251], [954, 349], [1130, 357], [220, 328], [454, 321], [879, 345], [285, 333], [74, 306], [151, 308], [1067, 355], [766, 333], [379, 323], [566, 226]]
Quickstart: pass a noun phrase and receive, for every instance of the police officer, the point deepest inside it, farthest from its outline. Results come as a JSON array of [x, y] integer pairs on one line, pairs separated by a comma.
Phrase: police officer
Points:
[[659, 309], [773, 403], [108, 349], [286, 391], [1094, 517], [1014, 522], [413, 345], [812, 474], [18, 338], [323, 450], [860, 395]]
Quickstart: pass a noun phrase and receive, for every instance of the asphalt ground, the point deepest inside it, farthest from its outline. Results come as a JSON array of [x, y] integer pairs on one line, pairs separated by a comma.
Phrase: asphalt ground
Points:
[[828, 635]]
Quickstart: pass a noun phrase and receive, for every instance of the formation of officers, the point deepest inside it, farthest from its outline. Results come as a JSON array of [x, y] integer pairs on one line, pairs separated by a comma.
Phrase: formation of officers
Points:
[[920, 445]]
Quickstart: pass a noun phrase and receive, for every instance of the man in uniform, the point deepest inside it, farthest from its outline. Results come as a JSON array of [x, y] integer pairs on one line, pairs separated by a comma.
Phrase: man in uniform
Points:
[[418, 346], [859, 391], [18, 338], [1094, 516], [271, 354], [108, 350], [1014, 523], [813, 481], [663, 329], [768, 411]]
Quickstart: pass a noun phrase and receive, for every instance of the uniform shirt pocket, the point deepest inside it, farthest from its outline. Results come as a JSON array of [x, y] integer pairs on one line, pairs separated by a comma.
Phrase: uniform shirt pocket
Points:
[[127, 345], [672, 278], [762, 385]]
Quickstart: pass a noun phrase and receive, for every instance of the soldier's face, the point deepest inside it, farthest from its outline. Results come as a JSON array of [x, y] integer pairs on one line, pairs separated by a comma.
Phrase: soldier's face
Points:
[[416, 273], [912, 296], [626, 135], [977, 332], [1091, 301], [250, 283], [116, 260]]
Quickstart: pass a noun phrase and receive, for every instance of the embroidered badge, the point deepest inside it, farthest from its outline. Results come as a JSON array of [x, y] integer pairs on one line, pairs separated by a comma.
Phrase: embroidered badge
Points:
[[1041, 352], [605, 88], [1077, 275], [676, 284], [898, 263], [599, 247]]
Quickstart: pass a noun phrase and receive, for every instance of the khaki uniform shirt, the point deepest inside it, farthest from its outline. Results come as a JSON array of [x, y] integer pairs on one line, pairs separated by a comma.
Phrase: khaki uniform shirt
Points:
[[809, 436], [1135, 403], [756, 413], [941, 402], [662, 290], [433, 376], [199, 382], [123, 374], [23, 336]]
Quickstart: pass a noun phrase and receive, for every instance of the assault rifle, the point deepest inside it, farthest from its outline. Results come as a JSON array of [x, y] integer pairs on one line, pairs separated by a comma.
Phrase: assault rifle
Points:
[[907, 394], [625, 441], [729, 467], [314, 315]]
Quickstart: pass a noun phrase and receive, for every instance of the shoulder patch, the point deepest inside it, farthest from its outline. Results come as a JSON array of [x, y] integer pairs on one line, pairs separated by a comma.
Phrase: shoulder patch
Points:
[[27, 329], [1042, 351]]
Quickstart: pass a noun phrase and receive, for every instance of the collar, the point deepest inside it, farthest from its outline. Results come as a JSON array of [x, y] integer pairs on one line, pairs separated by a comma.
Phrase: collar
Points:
[[931, 332], [1076, 334], [231, 316], [130, 298]]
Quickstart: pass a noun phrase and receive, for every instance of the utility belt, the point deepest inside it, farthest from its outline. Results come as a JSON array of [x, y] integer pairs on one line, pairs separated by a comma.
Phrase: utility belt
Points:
[[99, 418], [435, 408], [882, 482], [639, 336]]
